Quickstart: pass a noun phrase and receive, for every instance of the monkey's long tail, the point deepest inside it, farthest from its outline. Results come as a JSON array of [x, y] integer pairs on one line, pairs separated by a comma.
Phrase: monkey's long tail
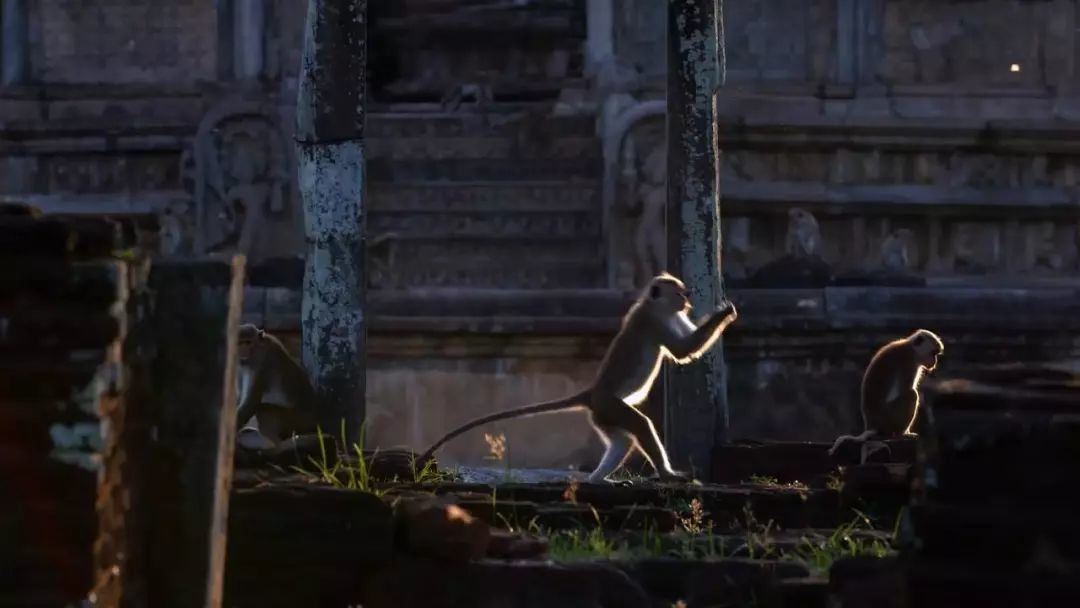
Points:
[[860, 438], [569, 403]]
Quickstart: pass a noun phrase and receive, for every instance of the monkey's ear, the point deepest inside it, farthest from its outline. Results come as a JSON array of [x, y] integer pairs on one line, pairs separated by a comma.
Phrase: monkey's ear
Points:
[[654, 292], [261, 333]]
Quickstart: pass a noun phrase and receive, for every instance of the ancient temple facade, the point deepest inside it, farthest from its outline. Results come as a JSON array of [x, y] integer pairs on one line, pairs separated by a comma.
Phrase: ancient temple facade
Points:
[[886, 165]]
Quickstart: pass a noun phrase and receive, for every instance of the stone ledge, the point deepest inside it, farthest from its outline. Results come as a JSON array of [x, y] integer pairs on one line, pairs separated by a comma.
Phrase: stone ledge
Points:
[[1035, 202], [762, 310]]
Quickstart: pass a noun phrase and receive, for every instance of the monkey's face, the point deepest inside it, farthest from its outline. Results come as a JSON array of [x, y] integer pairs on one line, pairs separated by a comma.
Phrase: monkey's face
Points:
[[245, 342], [243, 351], [669, 296], [928, 347]]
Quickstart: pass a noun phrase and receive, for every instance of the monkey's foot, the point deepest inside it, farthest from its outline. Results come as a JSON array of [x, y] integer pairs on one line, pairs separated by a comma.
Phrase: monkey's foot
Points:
[[622, 483], [251, 439]]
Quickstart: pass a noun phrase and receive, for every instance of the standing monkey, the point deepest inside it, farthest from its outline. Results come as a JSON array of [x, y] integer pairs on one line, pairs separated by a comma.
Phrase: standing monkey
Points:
[[656, 328], [273, 389], [890, 389]]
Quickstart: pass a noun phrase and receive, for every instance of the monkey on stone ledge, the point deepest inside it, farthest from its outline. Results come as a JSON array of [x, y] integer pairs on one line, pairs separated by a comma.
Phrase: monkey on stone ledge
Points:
[[274, 391], [890, 390]]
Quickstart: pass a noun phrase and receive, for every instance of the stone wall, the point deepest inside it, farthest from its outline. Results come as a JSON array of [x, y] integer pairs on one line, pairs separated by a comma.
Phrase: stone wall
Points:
[[62, 324], [900, 125], [123, 41]]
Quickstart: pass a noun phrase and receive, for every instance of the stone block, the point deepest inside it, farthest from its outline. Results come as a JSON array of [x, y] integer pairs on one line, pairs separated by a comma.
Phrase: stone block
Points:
[[79, 237], [435, 528], [304, 544], [869, 582]]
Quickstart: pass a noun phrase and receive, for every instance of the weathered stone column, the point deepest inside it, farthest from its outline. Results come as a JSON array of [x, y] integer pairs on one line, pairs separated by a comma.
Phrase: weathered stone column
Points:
[[696, 394], [191, 425], [249, 32], [330, 150], [600, 37], [14, 54]]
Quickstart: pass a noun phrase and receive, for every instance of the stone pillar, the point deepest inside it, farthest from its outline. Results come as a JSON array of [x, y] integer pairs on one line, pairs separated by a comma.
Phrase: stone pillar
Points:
[[600, 37], [14, 51], [696, 394], [330, 149], [188, 412], [249, 35]]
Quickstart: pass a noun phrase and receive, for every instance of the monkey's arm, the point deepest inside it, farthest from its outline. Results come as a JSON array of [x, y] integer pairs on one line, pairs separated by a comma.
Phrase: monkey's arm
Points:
[[252, 396], [686, 342]]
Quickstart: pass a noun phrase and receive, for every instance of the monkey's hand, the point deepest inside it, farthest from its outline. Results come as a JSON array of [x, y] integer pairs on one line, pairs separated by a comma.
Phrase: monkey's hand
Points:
[[727, 309]]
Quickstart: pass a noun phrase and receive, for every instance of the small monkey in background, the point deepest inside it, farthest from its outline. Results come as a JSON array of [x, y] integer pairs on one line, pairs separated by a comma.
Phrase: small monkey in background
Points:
[[890, 389], [273, 389], [803, 238], [655, 328], [894, 251]]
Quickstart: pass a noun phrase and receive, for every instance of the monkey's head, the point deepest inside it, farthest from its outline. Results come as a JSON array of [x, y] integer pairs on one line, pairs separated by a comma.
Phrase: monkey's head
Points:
[[668, 295], [927, 346], [800, 216], [246, 339]]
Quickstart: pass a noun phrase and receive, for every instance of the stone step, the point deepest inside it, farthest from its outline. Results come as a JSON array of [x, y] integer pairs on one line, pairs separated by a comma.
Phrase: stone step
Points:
[[998, 533], [788, 508], [946, 584], [489, 147], [791, 461], [542, 226], [520, 197], [437, 125], [562, 170], [495, 270]]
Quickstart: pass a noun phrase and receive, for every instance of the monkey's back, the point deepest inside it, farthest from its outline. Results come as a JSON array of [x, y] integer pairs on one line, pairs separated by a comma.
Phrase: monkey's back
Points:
[[888, 371], [631, 360]]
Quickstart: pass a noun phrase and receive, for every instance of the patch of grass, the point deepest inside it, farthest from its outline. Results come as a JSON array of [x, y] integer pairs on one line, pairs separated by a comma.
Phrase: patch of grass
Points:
[[345, 472], [430, 474], [759, 542], [818, 554], [580, 545], [772, 482]]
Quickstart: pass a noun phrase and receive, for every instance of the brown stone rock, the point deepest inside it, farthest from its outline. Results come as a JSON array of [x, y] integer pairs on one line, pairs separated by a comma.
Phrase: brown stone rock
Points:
[[507, 545], [437, 528]]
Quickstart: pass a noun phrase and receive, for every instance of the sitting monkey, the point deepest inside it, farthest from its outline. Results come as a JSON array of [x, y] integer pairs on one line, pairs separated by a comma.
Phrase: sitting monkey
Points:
[[274, 391], [890, 390]]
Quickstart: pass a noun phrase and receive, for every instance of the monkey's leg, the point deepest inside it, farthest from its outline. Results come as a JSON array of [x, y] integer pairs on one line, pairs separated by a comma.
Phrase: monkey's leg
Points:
[[870, 447], [619, 444], [648, 440]]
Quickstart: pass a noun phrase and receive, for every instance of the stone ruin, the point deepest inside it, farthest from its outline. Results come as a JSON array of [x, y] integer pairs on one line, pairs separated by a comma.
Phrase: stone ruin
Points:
[[883, 167]]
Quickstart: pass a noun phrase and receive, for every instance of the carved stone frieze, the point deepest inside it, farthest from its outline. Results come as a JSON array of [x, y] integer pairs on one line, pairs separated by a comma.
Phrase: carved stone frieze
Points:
[[128, 172], [240, 179], [505, 225], [477, 197]]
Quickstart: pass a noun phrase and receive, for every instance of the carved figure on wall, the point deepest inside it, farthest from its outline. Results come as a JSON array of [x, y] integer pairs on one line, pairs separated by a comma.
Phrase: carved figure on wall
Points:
[[1047, 255], [240, 177], [481, 94], [803, 238], [650, 242], [801, 266], [895, 255], [175, 229], [621, 123]]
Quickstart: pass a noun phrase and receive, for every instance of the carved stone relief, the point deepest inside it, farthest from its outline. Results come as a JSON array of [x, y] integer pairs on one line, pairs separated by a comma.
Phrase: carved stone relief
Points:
[[641, 200], [240, 181]]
